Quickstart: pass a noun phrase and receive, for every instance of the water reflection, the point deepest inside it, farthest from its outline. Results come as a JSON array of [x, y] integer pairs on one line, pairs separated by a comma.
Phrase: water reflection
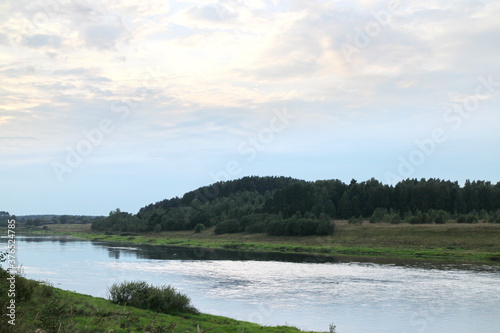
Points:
[[162, 252], [158, 252], [61, 240]]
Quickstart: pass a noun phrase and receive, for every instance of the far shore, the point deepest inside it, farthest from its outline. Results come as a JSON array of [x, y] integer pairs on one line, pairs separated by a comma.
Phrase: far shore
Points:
[[380, 242]]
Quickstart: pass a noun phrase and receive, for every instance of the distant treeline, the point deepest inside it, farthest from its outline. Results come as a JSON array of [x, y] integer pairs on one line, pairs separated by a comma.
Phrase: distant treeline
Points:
[[287, 206], [38, 220]]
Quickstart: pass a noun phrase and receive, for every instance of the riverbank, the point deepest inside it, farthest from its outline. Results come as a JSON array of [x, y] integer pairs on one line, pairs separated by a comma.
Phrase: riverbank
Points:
[[452, 242], [42, 308]]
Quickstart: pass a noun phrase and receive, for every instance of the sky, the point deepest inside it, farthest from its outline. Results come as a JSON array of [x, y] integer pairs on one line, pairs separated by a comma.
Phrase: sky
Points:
[[118, 104]]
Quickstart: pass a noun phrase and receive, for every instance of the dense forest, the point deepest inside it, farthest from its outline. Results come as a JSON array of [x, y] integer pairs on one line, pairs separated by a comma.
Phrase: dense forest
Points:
[[287, 206]]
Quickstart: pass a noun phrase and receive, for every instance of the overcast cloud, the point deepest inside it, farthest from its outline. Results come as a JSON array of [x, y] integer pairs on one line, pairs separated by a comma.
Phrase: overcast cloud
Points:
[[155, 98]]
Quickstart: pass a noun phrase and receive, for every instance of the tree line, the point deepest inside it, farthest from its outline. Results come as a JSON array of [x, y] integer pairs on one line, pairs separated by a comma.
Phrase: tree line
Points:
[[288, 206], [39, 220]]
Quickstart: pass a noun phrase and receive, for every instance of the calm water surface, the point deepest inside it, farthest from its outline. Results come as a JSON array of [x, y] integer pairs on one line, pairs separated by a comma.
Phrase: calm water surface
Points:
[[278, 290]]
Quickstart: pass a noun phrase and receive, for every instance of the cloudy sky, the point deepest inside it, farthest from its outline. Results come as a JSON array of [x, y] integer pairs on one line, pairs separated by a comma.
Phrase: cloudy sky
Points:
[[117, 104]]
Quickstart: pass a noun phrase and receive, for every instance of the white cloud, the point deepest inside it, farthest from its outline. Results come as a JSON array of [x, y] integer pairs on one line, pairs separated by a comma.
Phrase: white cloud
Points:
[[206, 74], [4, 39], [213, 13], [103, 36]]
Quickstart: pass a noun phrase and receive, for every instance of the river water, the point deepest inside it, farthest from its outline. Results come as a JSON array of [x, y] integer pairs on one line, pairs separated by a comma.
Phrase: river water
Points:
[[273, 289]]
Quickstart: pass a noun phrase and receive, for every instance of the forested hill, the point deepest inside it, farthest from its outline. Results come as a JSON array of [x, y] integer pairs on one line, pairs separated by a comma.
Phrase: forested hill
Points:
[[287, 206]]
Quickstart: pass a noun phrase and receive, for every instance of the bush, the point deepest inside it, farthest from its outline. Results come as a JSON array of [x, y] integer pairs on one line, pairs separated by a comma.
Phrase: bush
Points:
[[227, 227], [256, 223], [51, 315], [440, 217], [44, 290], [420, 218], [412, 219], [355, 220], [128, 293], [299, 227], [295, 227], [256, 228], [24, 288], [394, 219], [276, 228], [140, 294], [325, 228], [378, 215], [199, 228], [494, 217], [471, 219]]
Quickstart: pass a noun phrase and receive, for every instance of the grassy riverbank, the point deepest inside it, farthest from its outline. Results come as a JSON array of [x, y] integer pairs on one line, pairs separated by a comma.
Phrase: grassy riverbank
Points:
[[45, 309], [449, 242]]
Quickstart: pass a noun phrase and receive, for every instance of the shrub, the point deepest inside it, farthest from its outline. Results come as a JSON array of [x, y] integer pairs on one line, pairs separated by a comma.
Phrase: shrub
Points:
[[128, 293], [325, 228], [494, 218], [440, 217], [125, 234], [51, 315], [394, 219], [471, 219], [44, 290], [378, 215], [299, 227], [276, 228], [256, 228], [256, 223], [140, 294], [412, 219], [295, 227], [420, 218], [355, 220], [199, 228], [168, 300], [426, 219], [24, 288], [483, 215], [251, 219], [227, 227]]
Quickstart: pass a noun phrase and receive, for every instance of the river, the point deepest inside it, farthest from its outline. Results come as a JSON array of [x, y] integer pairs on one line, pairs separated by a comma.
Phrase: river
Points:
[[273, 289]]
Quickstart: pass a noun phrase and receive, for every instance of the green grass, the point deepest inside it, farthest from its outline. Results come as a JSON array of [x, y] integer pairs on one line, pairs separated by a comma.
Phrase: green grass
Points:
[[50, 309], [450, 242]]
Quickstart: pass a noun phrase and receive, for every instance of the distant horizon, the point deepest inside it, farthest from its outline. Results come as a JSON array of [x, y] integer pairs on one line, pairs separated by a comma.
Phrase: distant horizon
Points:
[[111, 104]]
